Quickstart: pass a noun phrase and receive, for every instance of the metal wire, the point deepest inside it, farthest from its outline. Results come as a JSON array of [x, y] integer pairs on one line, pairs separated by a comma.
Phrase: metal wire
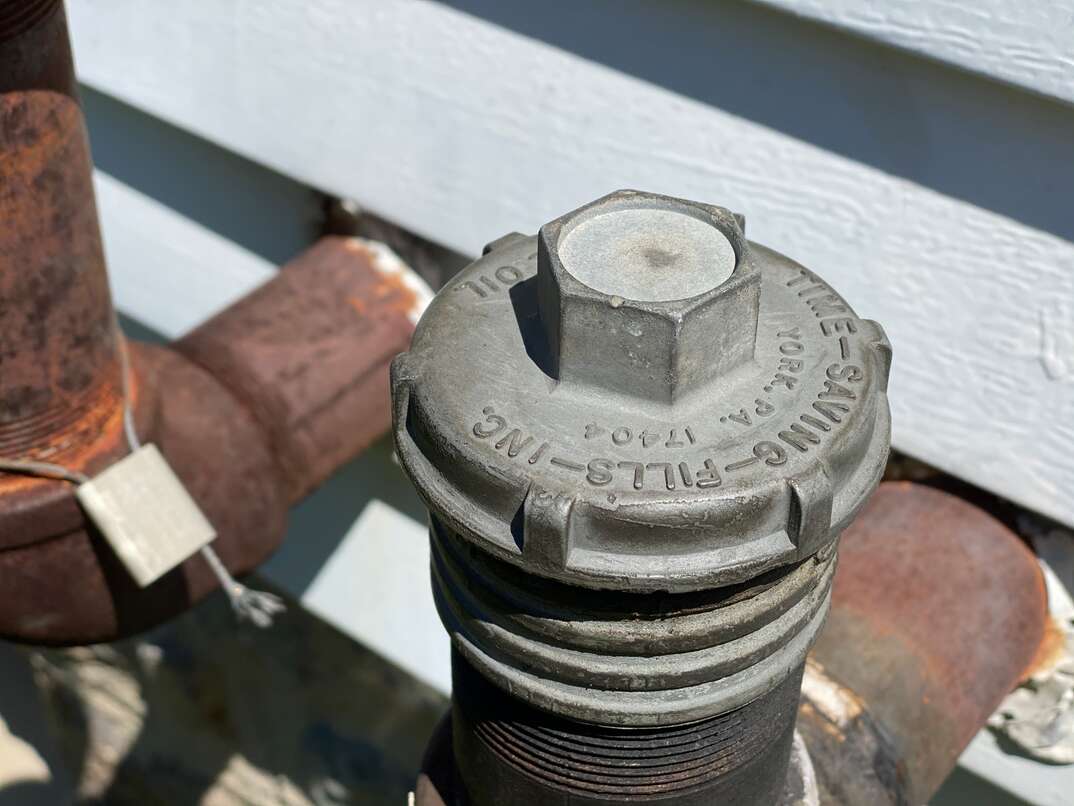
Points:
[[46, 470]]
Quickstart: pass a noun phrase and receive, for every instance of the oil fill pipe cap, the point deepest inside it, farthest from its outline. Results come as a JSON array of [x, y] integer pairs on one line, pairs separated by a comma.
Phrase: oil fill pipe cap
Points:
[[639, 399]]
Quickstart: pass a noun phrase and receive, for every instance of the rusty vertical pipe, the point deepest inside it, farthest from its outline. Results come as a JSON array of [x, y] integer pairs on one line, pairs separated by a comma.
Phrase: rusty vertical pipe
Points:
[[937, 612], [34, 54], [60, 395], [254, 409]]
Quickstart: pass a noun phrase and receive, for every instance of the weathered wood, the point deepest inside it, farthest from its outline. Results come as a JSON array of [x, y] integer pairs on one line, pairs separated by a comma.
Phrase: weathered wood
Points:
[[204, 710]]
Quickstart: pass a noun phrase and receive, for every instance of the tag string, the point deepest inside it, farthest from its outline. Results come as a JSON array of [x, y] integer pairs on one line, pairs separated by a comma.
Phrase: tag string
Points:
[[257, 607], [44, 469]]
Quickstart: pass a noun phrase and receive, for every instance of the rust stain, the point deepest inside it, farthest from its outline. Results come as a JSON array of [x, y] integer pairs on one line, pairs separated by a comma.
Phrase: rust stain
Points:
[[388, 295], [836, 704], [395, 294], [1051, 651], [937, 610], [807, 710], [60, 384], [308, 353]]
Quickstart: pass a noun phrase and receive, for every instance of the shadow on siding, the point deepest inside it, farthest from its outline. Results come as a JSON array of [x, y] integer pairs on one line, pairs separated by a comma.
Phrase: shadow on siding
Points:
[[963, 135]]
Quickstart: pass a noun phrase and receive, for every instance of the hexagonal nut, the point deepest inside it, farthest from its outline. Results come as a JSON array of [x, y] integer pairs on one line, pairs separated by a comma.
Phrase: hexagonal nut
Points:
[[646, 295]]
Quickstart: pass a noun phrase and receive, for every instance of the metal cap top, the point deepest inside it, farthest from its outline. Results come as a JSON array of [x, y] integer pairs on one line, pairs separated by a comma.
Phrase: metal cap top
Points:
[[648, 253], [645, 296], [639, 398]]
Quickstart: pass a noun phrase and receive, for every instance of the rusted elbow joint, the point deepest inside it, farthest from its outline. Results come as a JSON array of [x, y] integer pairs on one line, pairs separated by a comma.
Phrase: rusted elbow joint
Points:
[[253, 409], [938, 611]]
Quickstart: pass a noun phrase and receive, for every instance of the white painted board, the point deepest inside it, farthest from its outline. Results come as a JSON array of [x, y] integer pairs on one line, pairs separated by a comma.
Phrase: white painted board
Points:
[[1028, 43], [462, 130], [379, 578], [168, 272], [1034, 782]]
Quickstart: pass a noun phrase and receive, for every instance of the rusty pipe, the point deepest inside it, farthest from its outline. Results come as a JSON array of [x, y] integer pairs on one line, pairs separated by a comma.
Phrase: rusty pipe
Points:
[[309, 352], [59, 367], [938, 611], [253, 409]]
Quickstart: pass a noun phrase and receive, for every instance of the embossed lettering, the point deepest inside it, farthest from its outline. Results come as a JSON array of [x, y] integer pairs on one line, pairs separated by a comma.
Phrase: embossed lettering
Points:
[[648, 438], [826, 305], [799, 437], [849, 373], [498, 423], [833, 411], [475, 288], [669, 473], [833, 389], [599, 472], [770, 453], [687, 476], [783, 379], [537, 454], [508, 275], [514, 442], [764, 408], [639, 472], [742, 417], [820, 425], [842, 324], [709, 477]]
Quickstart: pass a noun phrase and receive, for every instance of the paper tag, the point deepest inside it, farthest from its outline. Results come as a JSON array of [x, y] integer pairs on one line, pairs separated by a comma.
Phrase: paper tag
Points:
[[146, 514]]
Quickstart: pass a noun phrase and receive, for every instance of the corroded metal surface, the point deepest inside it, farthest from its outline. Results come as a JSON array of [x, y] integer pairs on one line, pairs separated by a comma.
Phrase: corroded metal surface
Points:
[[33, 47], [255, 409], [856, 759], [509, 752], [438, 783], [62, 583], [937, 612], [69, 587], [308, 354], [59, 374]]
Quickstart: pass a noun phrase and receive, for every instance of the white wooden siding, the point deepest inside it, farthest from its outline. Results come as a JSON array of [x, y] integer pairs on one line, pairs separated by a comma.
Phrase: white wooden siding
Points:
[[462, 130], [167, 271], [1027, 43]]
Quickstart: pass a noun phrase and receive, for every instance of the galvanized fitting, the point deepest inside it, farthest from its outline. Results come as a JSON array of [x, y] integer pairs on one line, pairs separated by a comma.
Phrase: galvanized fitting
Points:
[[639, 436]]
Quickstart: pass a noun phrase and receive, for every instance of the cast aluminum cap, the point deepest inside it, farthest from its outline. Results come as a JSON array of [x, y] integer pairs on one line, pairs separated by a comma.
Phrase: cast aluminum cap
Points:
[[638, 398]]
